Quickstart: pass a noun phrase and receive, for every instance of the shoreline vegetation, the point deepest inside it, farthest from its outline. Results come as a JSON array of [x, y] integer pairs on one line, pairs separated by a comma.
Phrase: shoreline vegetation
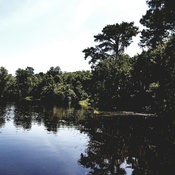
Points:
[[96, 113]]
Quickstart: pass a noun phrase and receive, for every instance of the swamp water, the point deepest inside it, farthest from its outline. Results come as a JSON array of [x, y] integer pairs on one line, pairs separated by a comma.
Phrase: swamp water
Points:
[[35, 140]]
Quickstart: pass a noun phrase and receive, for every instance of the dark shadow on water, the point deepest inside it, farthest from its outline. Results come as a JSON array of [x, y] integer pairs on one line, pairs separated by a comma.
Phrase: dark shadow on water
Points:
[[129, 145]]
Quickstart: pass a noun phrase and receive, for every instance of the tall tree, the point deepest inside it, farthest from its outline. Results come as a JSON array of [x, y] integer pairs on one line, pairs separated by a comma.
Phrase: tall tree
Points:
[[165, 97], [159, 37], [110, 66], [112, 42], [159, 21]]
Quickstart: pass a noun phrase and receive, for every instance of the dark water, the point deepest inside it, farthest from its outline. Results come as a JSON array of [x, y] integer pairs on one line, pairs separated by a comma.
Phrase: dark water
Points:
[[35, 140]]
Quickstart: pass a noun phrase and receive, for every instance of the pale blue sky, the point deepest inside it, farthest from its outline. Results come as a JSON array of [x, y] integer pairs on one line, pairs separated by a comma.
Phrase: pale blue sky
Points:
[[45, 33]]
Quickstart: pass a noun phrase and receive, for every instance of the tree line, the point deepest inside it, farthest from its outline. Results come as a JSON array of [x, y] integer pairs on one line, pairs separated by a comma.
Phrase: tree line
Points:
[[144, 82], [54, 86]]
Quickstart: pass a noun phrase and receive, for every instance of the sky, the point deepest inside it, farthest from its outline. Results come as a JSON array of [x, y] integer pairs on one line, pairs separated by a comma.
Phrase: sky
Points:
[[46, 33]]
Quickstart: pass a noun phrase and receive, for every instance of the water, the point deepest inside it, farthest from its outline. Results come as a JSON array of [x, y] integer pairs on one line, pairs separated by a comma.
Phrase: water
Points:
[[28, 148], [41, 140]]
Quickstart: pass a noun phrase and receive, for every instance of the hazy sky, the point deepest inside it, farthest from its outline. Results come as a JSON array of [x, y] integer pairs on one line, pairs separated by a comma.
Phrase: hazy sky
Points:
[[45, 33]]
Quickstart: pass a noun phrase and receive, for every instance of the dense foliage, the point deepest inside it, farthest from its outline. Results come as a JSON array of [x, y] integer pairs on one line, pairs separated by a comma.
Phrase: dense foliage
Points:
[[116, 81], [53, 86]]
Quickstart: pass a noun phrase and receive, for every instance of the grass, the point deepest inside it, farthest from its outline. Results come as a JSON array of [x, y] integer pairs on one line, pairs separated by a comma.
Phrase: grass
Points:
[[86, 105], [29, 98]]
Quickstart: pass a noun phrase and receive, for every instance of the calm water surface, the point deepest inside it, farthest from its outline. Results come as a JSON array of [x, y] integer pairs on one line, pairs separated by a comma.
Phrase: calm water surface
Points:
[[35, 140], [31, 145]]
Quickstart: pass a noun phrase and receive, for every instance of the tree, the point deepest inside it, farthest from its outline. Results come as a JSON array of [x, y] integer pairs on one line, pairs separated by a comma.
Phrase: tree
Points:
[[165, 97], [159, 21], [147, 68], [4, 81], [111, 84], [159, 38], [112, 42], [24, 82], [54, 71], [110, 66]]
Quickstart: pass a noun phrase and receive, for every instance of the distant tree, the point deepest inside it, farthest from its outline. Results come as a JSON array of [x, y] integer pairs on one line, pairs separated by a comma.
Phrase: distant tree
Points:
[[4, 81], [80, 82], [54, 71], [24, 82]]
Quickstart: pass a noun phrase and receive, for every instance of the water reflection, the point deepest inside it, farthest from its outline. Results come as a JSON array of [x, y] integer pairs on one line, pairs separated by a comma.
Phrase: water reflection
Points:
[[132, 145], [116, 145], [37, 140], [24, 115], [5, 113]]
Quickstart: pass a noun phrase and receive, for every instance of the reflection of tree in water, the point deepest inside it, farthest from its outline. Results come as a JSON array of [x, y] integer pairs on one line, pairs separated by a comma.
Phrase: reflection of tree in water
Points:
[[5, 113], [26, 115], [52, 117], [129, 146], [22, 116], [2, 114]]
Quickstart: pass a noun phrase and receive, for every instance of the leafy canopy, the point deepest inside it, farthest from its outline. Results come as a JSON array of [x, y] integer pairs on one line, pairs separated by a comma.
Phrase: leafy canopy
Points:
[[112, 42], [159, 21]]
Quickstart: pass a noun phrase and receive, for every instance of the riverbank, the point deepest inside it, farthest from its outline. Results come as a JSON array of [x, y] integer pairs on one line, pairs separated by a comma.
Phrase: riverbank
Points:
[[122, 113], [86, 105]]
